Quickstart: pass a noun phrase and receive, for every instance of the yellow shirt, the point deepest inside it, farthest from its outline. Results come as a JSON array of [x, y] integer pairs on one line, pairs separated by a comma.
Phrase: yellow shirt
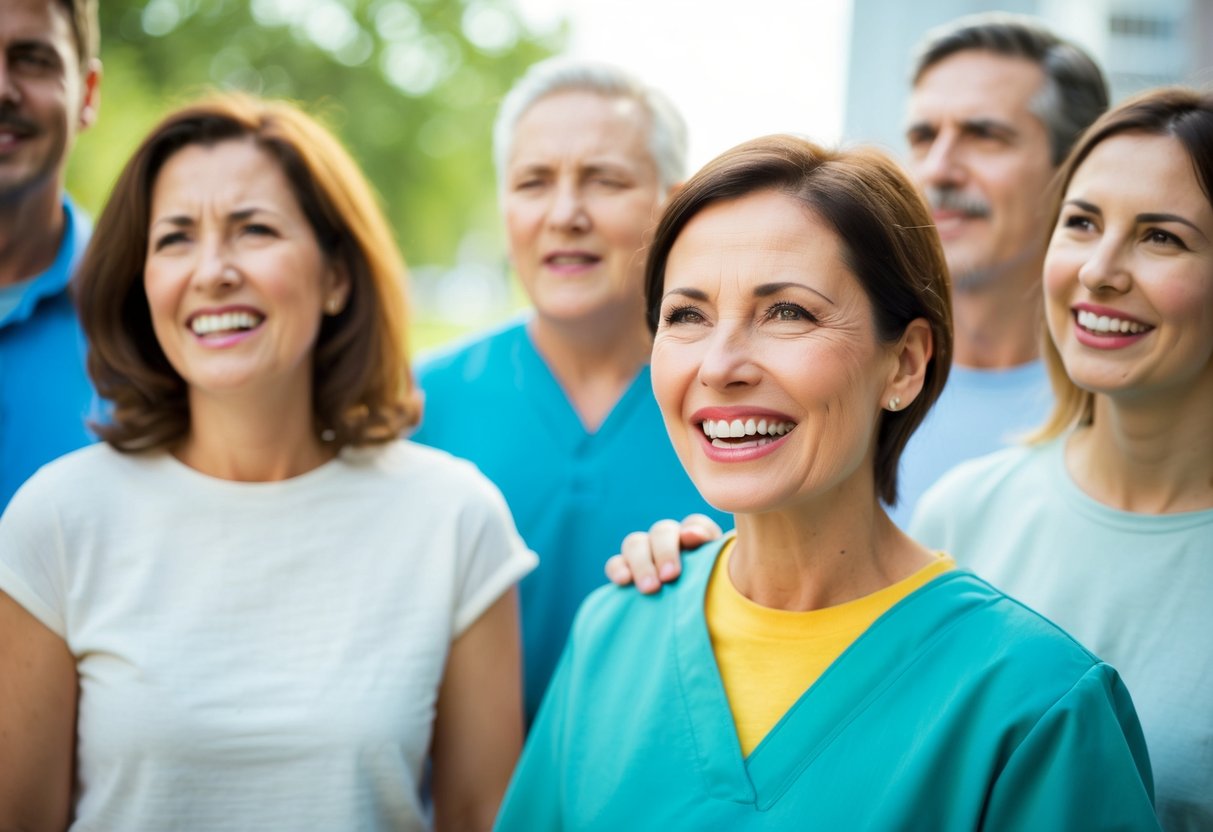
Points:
[[768, 658]]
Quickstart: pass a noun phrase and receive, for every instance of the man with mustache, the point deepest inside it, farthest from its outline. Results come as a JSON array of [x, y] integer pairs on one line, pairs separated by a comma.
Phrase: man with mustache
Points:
[[997, 101], [49, 87]]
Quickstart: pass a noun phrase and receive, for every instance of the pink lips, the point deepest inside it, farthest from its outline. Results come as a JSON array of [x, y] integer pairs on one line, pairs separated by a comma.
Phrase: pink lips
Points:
[[1089, 336], [743, 454], [570, 261], [228, 339]]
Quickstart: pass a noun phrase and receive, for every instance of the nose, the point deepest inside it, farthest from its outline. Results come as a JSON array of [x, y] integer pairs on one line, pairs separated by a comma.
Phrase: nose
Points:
[[567, 211], [1107, 269], [215, 274], [728, 362], [9, 93], [942, 165]]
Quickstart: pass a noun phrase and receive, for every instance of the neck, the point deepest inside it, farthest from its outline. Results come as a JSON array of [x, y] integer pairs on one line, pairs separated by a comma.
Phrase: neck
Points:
[[1148, 457], [30, 231], [245, 439], [997, 325], [822, 556], [594, 364]]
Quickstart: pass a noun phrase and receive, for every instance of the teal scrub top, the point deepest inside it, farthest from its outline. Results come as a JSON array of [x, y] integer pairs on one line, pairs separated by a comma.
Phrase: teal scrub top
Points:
[[958, 709], [574, 494]]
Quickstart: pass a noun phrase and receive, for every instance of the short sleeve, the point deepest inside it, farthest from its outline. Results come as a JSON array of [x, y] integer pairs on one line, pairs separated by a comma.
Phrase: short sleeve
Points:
[[492, 556], [32, 569], [1084, 765]]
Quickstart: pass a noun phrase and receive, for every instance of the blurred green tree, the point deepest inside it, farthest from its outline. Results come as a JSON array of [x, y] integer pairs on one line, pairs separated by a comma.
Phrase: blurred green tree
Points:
[[411, 86]]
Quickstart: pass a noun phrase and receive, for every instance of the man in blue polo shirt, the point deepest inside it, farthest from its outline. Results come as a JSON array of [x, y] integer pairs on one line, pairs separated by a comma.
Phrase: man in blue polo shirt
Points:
[[49, 79], [557, 408]]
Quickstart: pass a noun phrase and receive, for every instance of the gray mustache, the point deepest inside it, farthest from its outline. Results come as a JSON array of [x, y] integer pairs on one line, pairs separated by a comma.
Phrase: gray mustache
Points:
[[14, 123], [951, 199]]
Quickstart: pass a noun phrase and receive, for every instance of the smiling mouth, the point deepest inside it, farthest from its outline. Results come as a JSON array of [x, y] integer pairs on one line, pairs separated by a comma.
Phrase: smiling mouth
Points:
[[1107, 325], [224, 323], [571, 259], [744, 433]]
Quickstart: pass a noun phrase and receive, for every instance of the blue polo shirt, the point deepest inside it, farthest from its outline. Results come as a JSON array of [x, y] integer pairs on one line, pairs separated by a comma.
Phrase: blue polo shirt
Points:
[[574, 494], [45, 394]]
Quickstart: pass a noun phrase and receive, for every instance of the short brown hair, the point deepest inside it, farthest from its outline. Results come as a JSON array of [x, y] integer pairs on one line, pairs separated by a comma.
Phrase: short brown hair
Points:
[[83, 16], [1181, 113], [362, 387], [887, 236]]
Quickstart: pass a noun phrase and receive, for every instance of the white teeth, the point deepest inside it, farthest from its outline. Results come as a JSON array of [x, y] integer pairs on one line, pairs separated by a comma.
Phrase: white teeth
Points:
[[1103, 324], [738, 429], [224, 322]]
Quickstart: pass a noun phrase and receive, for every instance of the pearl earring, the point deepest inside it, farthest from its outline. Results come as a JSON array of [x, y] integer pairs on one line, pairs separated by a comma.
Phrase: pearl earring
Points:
[[894, 402], [333, 306]]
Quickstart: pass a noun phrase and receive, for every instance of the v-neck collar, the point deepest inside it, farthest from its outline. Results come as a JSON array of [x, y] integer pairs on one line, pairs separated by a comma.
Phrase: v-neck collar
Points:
[[842, 694], [553, 404]]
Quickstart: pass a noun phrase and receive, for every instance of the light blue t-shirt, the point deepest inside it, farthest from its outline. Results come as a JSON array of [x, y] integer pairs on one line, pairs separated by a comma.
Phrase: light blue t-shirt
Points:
[[573, 494], [1136, 589], [979, 412], [45, 394]]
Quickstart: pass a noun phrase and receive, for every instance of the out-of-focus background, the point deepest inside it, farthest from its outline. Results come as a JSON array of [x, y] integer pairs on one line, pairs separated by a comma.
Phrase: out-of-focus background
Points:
[[412, 86]]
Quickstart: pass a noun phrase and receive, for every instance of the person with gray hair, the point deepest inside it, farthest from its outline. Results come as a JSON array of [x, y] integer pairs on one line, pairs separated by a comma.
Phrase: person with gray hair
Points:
[[997, 101], [556, 408]]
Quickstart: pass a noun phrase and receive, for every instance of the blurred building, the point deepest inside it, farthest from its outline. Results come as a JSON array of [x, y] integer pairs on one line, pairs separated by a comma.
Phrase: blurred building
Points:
[[1139, 43]]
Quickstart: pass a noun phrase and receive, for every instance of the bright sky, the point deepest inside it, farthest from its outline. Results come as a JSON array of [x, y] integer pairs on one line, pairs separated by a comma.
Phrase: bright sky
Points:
[[736, 68]]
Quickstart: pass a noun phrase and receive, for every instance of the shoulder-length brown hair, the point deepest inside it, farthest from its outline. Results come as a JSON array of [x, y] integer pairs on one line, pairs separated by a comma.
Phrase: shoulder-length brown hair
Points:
[[362, 386], [1181, 113], [888, 239]]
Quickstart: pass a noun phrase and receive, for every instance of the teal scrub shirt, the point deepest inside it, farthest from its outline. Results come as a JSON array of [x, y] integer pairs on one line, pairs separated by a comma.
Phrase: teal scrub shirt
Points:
[[958, 709]]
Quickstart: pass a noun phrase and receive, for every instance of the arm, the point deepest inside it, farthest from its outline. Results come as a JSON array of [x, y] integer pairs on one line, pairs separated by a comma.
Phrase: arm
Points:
[[38, 687], [1082, 766], [653, 558], [478, 724]]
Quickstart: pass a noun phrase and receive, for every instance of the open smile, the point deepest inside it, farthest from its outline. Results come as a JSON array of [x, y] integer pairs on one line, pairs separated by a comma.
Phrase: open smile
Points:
[[223, 324], [1106, 328], [744, 433]]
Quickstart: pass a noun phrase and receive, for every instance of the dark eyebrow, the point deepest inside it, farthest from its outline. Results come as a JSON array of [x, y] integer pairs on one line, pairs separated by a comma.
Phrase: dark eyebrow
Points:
[[1085, 206], [989, 125], [693, 294], [1140, 218], [1147, 218], [768, 289]]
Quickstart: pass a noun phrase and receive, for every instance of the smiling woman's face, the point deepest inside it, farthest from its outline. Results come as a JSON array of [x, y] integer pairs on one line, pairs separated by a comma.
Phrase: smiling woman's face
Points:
[[766, 363], [235, 279], [1129, 272]]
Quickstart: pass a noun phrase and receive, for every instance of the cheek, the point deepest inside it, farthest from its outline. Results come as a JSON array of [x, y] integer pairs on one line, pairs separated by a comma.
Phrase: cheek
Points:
[[673, 367]]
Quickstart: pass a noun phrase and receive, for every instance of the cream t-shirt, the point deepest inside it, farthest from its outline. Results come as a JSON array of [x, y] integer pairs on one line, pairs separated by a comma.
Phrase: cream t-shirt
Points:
[[260, 656]]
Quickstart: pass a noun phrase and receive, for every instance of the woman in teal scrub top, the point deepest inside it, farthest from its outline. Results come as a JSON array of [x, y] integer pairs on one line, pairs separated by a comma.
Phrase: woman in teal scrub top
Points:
[[817, 668]]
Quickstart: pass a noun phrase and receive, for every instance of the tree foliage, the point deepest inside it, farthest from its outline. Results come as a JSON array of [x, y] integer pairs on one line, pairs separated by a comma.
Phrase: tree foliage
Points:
[[411, 87]]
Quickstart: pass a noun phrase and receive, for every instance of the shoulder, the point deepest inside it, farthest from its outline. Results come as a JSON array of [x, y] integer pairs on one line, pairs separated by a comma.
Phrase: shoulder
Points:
[[985, 481], [611, 615], [1001, 637], [1019, 629], [469, 358], [422, 474], [79, 472]]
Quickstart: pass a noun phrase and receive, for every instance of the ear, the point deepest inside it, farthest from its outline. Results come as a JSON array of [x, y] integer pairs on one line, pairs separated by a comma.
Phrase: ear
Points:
[[336, 289], [90, 103], [912, 354]]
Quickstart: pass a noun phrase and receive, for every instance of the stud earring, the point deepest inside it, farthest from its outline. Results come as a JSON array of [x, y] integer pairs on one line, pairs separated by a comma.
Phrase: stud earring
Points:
[[333, 305], [894, 402]]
